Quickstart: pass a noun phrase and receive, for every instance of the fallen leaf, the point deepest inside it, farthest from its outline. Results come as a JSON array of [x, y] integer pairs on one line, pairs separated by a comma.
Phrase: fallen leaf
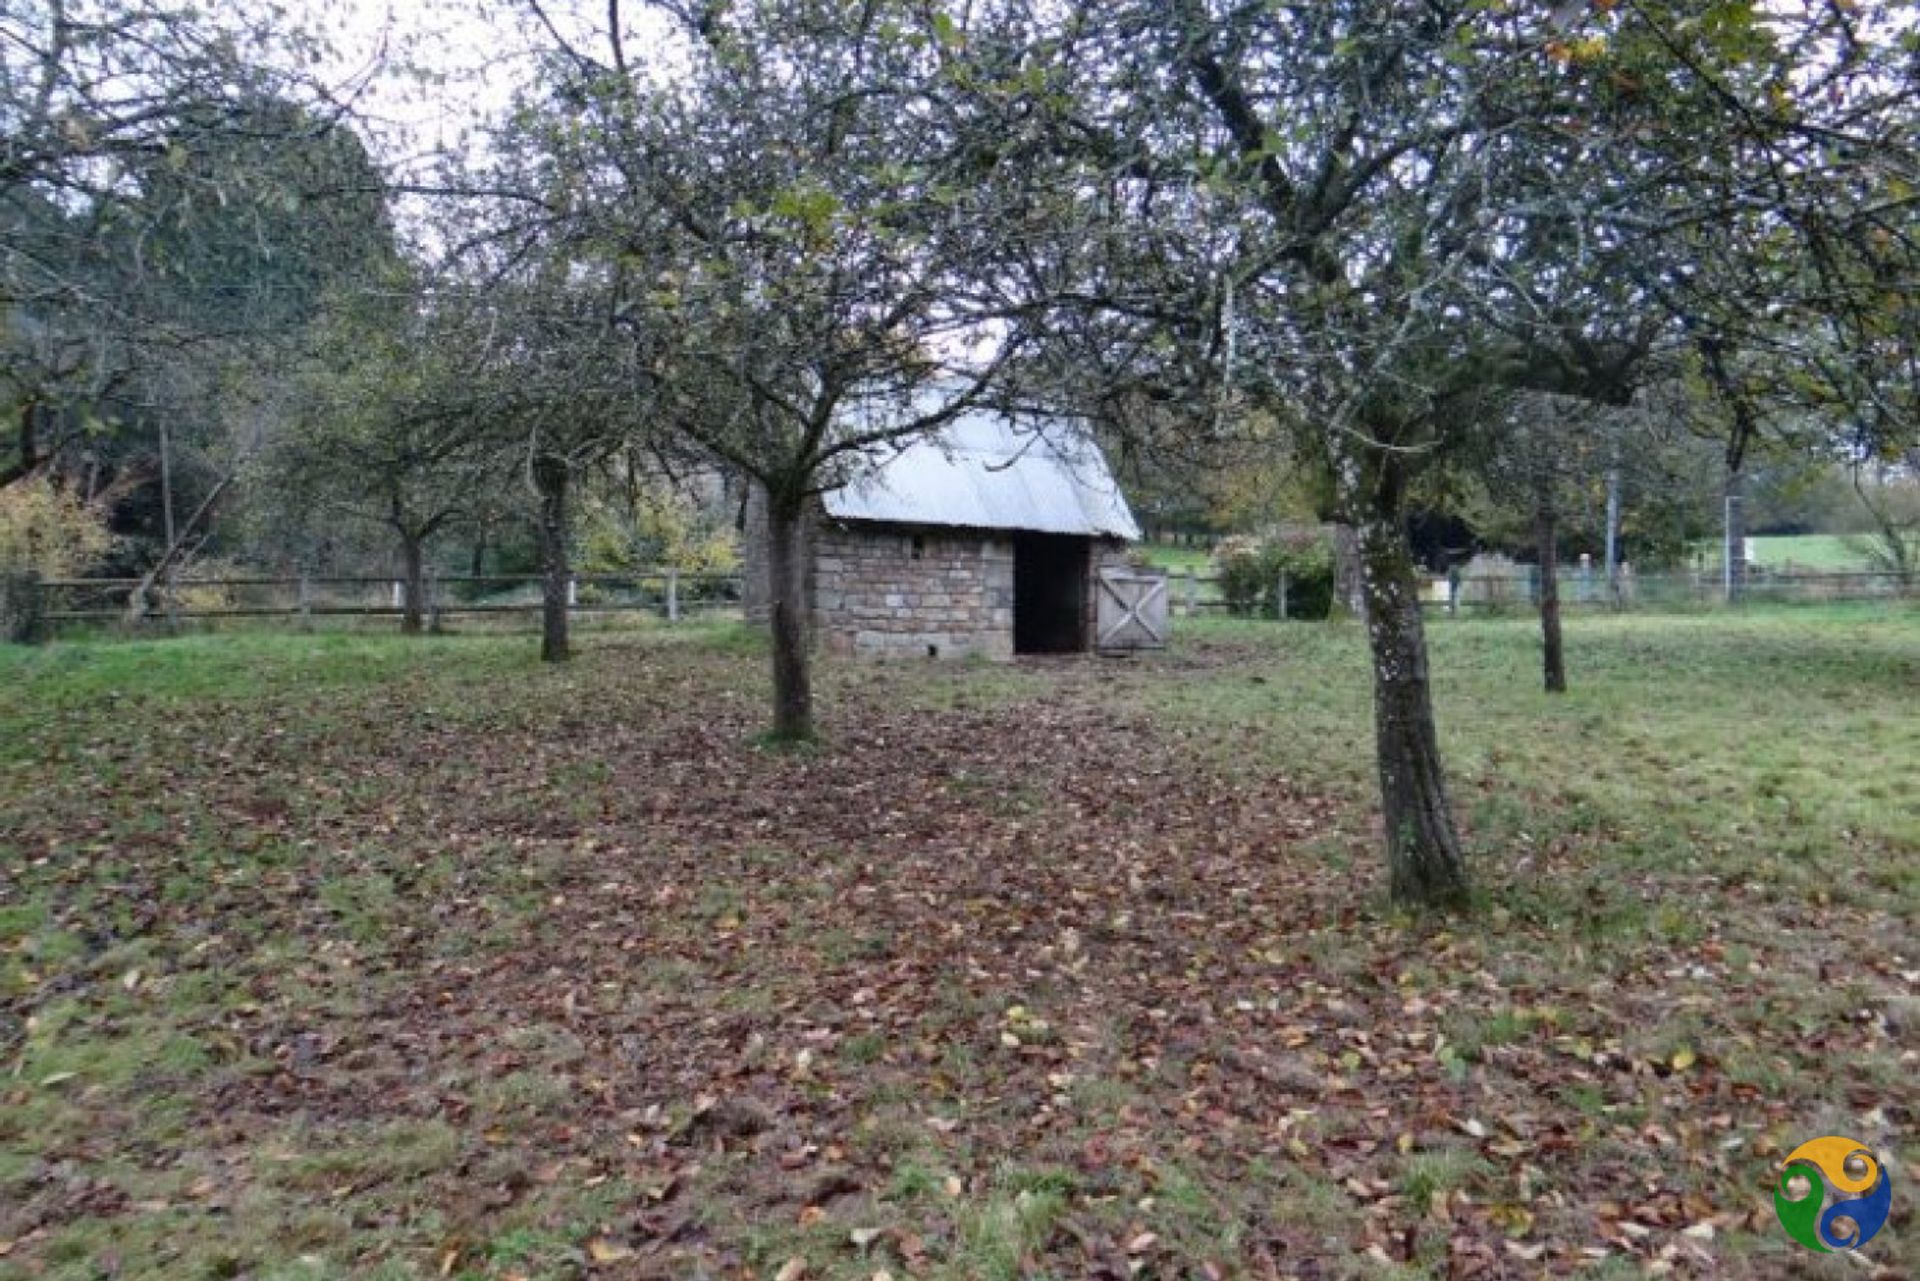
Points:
[[601, 1250], [792, 1270]]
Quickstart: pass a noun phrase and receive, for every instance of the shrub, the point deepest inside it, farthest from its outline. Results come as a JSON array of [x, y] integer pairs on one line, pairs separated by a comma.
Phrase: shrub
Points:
[[48, 530], [1250, 567], [665, 529]]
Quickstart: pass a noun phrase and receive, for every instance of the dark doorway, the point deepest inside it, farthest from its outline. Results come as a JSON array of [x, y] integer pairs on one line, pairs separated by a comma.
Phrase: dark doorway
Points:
[[1049, 594]]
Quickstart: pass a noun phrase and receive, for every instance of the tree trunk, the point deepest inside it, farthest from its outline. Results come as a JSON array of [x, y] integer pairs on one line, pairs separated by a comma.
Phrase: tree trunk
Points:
[[1349, 593], [23, 607], [1424, 862], [550, 478], [1546, 544], [413, 563], [786, 610], [29, 445]]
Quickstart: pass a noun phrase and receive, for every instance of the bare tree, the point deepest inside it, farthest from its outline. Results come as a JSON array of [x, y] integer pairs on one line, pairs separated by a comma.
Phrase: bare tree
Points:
[[387, 433], [813, 225], [1373, 222]]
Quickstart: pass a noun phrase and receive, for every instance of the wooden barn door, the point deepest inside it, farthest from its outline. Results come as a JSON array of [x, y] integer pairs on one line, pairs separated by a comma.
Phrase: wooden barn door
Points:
[[1131, 610]]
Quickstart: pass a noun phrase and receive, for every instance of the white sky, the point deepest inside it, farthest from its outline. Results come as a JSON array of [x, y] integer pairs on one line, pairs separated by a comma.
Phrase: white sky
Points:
[[433, 69], [423, 73]]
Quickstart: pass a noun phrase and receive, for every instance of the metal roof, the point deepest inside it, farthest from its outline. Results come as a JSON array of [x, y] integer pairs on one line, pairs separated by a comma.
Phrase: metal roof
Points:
[[985, 471]]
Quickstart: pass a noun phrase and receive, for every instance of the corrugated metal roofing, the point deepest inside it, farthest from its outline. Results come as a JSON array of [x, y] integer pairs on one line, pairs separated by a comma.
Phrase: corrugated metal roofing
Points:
[[984, 471]]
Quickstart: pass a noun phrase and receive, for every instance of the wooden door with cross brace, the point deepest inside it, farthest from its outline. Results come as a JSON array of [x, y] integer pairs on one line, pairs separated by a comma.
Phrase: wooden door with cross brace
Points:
[[1130, 611]]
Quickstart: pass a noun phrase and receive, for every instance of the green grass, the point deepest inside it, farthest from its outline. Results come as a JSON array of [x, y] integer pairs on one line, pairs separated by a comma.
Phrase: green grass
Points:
[[1828, 553], [1676, 729], [357, 956], [1178, 559]]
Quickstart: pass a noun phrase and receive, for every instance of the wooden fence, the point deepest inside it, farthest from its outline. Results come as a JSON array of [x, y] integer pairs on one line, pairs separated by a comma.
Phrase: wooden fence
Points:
[[669, 593], [673, 594]]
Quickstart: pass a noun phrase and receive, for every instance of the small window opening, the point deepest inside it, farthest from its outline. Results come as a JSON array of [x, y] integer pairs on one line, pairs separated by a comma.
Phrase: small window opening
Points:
[[919, 546], [933, 651]]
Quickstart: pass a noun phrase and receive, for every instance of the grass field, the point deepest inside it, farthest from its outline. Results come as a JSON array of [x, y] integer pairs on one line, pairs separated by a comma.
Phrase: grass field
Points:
[[344, 956], [1822, 553], [1179, 559]]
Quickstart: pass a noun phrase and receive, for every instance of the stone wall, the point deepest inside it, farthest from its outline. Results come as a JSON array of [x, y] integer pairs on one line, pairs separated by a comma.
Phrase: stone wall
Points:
[[891, 591]]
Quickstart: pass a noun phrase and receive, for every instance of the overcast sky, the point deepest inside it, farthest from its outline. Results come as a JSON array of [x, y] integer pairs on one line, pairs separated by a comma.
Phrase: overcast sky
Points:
[[433, 69], [424, 73]]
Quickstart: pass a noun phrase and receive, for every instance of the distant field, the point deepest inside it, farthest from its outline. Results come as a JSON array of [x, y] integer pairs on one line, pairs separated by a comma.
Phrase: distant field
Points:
[[1828, 552], [1178, 559], [1799, 551]]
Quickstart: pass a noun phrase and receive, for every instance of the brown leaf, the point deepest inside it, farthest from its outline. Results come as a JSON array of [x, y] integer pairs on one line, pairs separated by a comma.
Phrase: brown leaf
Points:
[[601, 1250]]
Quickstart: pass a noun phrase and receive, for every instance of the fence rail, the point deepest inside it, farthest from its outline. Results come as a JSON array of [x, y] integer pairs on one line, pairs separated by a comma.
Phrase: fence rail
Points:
[[669, 593], [673, 594], [1195, 594], [1580, 590]]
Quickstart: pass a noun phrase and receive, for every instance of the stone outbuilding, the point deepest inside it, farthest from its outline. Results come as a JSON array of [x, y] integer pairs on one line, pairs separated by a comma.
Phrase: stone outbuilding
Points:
[[987, 538]]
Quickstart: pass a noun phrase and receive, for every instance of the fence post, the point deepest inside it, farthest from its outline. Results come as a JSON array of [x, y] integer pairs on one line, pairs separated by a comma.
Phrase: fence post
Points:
[[305, 603], [23, 608], [1280, 601], [573, 592], [433, 603], [399, 594], [673, 595], [1193, 592]]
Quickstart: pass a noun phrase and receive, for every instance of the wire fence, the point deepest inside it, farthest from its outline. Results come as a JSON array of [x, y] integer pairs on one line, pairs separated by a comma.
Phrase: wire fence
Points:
[[1196, 594], [1580, 589]]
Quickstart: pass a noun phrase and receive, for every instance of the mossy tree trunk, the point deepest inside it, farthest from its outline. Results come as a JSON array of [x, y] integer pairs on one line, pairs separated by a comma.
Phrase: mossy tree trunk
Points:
[[1425, 864]]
